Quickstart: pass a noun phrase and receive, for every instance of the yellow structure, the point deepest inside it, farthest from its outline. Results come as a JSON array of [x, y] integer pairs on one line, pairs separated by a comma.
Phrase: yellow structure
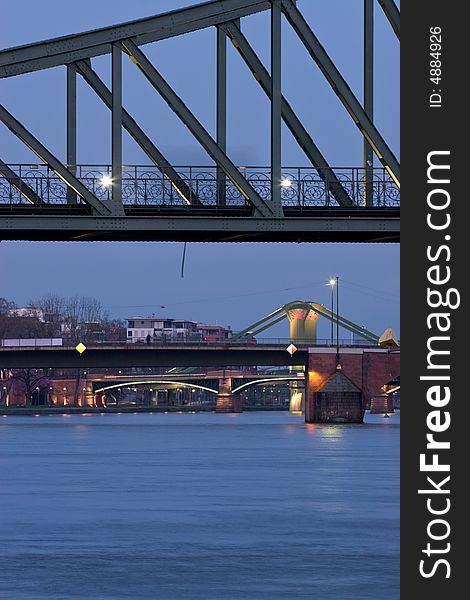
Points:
[[388, 339]]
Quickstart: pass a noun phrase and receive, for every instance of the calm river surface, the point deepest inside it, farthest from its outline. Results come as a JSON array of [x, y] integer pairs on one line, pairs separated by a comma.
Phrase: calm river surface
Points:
[[198, 506]]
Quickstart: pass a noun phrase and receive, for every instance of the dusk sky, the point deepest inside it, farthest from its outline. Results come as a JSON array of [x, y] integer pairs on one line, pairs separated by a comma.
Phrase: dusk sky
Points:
[[232, 284]]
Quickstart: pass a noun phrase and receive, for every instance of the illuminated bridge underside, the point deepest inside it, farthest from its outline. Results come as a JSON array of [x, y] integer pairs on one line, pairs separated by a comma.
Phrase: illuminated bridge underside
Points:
[[58, 199]]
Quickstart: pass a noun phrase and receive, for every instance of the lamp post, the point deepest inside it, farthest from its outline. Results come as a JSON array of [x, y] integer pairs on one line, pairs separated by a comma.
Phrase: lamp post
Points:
[[332, 283], [337, 323]]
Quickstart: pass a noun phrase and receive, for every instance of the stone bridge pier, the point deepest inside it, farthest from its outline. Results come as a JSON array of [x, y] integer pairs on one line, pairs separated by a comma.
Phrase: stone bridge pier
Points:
[[226, 401]]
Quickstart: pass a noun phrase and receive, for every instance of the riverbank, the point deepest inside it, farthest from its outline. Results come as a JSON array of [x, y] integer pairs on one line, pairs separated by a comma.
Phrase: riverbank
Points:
[[91, 410]]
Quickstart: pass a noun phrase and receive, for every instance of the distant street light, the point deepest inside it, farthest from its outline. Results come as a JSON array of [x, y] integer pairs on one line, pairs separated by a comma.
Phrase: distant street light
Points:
[[286, 182]]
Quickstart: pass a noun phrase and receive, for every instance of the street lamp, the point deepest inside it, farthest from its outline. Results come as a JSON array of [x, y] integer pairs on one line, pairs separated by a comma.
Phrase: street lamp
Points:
[[338, 366], [332, 283], [106, 181]]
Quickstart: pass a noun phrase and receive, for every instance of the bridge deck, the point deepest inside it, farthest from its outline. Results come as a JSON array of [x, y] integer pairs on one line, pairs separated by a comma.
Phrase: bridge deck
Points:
[[143, 355], [168, 355]]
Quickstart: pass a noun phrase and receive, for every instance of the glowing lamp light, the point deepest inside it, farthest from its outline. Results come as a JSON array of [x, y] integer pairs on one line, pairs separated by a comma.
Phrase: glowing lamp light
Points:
[[286, 183], [106, 181], [332, 282]]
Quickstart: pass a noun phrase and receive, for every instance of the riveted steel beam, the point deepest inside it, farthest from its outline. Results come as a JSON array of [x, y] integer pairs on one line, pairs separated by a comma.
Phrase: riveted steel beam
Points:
[[393, 15], [196, 128], [54, 163], [341, 89], [19, 184], [70, 48], [316, 225], [294, 124], [145, 143]]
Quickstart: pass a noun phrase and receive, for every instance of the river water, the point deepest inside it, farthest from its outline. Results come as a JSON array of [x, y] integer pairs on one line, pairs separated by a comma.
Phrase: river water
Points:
[[198, 506]]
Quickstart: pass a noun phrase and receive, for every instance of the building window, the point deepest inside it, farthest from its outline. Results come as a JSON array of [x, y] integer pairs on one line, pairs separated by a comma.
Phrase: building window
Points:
[[131, 324], [129, 334]]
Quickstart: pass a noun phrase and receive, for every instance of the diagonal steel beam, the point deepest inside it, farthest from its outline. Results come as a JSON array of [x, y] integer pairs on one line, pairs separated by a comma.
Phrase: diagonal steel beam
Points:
[[154, 154], [344, 323], [79, 46], [48, 158], [299, 132], [19, 184], [393, 15], [264, 322], [196, 128], [341, 89]]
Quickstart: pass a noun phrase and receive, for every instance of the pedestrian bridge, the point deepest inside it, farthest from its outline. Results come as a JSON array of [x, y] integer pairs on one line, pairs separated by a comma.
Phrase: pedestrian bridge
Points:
[[60, 199]]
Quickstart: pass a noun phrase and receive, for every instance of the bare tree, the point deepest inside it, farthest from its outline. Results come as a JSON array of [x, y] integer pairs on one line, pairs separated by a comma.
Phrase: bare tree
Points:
[[83, 315], [30, 381], [78, 318], [51, 305], [5, 309]]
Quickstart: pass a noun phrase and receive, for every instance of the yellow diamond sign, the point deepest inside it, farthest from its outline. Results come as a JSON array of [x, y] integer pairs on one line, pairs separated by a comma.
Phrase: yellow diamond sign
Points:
[[80, 348]]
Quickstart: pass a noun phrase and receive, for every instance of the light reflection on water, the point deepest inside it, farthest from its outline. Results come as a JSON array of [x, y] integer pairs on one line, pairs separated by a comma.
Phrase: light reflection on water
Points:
[[198, 506]]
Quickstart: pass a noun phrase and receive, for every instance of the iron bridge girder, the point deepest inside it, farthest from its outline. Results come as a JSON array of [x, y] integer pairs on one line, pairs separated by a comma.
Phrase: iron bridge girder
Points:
[[89, 216]]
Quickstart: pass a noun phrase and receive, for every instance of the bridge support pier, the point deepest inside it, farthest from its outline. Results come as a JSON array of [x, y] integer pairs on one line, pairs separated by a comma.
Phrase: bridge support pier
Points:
[[87, 395], [228, 403], [297, 397], [342, 395], [381, 404], [335, 399]]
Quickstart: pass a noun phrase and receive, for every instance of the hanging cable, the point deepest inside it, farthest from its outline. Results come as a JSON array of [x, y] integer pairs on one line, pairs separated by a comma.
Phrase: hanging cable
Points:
[[183, 258]]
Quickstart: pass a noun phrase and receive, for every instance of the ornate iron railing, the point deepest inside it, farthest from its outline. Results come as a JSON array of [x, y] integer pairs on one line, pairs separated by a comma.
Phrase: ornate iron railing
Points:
[[205, 186]]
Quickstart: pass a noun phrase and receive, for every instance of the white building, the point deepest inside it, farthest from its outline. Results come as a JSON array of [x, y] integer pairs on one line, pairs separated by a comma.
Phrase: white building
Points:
[[161, 329], [172, 330], [29, 311]]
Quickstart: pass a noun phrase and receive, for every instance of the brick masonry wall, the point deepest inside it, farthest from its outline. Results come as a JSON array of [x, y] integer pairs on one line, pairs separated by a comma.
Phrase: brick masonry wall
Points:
[[369, 371]]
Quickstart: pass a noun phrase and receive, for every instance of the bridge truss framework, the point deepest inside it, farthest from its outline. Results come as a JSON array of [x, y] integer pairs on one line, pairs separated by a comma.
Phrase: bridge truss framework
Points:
[[61, 201]]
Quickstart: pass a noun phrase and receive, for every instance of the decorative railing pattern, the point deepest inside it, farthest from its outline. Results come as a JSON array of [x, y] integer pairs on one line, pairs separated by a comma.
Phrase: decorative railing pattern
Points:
[[205, 186]]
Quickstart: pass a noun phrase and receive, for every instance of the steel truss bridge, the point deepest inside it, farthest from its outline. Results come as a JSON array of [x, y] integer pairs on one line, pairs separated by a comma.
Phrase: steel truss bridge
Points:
[[58, 199]]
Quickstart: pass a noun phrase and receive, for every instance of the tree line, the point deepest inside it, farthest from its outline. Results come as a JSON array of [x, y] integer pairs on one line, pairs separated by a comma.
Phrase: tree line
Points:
[[73, 318]]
